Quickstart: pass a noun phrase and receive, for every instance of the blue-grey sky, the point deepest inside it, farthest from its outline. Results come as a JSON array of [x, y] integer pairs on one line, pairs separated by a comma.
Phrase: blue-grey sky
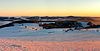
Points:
[[49, 7]]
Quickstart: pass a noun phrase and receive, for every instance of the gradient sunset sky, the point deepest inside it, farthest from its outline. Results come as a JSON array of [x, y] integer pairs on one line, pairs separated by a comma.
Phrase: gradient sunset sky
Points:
[[50, 7]]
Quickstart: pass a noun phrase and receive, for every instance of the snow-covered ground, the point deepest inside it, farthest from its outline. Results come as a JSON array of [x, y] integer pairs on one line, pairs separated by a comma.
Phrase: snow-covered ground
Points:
[[21, 33]]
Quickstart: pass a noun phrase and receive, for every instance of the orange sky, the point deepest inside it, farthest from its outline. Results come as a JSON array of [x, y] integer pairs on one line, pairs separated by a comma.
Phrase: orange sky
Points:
[[50, 8]]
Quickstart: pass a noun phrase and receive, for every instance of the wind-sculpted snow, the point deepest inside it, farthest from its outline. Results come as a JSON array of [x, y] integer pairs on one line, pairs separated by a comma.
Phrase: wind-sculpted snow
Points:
[[16, 45]]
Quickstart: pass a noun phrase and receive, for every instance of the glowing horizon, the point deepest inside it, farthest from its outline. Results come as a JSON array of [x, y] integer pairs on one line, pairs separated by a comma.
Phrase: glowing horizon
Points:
[[50, 8]]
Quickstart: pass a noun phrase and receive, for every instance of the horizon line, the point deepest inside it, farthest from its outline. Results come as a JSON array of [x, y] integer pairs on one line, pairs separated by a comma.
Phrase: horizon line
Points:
[[49, 16]]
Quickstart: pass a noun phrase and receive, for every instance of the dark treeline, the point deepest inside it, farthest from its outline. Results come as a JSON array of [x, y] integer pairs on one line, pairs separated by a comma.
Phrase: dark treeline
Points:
[[39, 17]]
